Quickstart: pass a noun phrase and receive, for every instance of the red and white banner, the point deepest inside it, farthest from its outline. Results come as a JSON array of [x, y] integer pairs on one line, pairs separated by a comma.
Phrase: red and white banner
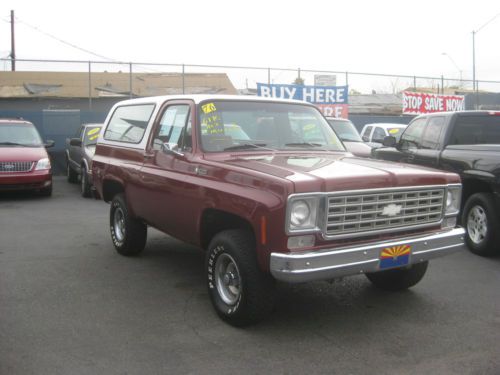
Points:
[[334, 110], [417, 103]]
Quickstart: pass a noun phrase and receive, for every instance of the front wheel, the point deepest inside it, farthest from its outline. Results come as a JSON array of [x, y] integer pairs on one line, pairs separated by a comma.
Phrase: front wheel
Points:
[[71, 174], [127, 233], [240, 292], [399, 278], [481, 224], [84, 183]]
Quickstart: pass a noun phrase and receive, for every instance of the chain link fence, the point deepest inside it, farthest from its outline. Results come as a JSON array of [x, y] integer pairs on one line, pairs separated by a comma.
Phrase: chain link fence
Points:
[[134, 79]]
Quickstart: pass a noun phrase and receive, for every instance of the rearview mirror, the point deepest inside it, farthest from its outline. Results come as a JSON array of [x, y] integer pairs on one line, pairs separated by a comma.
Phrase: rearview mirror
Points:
[[171, 148], [49, 143], [389, 141]]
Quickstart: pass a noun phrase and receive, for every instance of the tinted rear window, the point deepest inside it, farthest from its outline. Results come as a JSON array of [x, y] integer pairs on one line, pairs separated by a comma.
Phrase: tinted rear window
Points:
[[469, 130]]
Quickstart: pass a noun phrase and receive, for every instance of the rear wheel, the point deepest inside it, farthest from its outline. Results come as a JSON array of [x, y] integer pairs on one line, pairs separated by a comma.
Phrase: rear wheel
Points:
[[481, 224], [399, 278], [127, 233], [240, 292], [84, 183], [71, 174]]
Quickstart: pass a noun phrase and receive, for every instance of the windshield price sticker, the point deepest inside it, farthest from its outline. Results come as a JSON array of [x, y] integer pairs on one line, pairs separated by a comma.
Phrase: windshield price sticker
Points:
[[208, 108]]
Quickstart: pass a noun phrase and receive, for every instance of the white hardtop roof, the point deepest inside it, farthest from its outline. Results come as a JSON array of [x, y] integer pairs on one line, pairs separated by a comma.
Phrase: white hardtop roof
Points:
[[387, 125], [201, 98]]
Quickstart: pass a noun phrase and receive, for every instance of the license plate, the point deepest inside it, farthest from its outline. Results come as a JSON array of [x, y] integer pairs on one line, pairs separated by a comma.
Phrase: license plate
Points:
[[395, 256]]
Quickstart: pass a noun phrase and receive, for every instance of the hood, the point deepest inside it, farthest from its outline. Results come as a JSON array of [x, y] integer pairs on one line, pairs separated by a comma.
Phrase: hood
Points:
[[22, 153], [325, 172], [358, 148]]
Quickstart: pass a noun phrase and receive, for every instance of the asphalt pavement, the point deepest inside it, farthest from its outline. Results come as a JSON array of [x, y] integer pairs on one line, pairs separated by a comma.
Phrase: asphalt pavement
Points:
[[69, 304]]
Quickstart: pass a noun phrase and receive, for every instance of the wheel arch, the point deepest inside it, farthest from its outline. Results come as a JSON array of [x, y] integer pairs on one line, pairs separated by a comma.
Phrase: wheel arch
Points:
[[471, 186], [110, 188], [214, 221]]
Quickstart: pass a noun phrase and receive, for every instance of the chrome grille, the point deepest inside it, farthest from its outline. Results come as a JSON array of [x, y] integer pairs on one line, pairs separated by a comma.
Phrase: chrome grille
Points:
[[15, 166], [371, 212]]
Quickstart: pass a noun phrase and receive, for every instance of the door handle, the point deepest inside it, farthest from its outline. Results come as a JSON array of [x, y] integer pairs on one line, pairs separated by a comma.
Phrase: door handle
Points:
[[411, 157], [149, 156]]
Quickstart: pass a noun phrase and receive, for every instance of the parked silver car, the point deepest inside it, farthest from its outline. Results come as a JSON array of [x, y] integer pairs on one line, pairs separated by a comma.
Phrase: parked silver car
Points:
[[348, 134], [79, 153]]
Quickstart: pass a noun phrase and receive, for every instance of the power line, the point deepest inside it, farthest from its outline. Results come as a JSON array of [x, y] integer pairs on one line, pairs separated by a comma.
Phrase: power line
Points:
[[63, 41]]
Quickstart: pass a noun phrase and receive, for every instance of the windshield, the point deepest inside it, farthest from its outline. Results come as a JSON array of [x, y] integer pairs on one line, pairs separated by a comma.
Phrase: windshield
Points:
[[91, 135], [239, 125], [19, 134], [345, 130]]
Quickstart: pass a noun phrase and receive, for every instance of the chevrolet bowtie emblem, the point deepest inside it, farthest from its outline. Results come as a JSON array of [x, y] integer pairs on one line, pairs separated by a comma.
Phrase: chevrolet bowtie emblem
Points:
[[391, 210]]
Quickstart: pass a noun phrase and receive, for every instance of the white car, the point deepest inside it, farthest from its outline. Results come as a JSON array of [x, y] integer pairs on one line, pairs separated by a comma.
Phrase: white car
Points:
[[374, 134]]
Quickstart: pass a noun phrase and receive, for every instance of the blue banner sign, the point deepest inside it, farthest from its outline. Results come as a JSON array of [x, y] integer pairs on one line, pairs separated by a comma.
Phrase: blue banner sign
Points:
[[311, 94]]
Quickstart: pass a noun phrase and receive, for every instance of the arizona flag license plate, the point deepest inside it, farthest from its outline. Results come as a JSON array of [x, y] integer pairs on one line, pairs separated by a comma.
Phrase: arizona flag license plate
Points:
[[395, 256]]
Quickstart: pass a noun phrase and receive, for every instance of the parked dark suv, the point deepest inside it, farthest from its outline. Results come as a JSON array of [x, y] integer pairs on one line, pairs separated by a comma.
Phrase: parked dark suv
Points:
[[467, 143]]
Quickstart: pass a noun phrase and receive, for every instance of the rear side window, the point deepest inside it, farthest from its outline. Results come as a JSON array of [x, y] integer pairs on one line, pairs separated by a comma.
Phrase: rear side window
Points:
[[433, 132], [366, 134], [471, 130], [129, 123]]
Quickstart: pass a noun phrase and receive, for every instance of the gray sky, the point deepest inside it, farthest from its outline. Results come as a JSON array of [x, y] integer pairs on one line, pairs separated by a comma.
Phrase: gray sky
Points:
[[396, 37]]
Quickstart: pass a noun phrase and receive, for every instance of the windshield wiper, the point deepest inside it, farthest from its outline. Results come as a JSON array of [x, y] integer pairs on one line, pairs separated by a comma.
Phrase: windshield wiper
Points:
[[304, 144], [247, 146], [11, 144]]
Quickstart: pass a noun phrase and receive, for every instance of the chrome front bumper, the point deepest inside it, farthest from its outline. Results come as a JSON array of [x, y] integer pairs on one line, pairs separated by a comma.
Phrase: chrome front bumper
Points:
[[331, 263]]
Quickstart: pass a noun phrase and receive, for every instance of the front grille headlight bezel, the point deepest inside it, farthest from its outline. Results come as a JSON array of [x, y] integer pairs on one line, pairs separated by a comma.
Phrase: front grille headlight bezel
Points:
[[302, 214], [453, 200]]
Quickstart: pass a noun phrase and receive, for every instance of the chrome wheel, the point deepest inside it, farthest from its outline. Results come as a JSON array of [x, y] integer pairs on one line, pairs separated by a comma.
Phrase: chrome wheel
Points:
[[227, 279], [119, 224], [477, 224]]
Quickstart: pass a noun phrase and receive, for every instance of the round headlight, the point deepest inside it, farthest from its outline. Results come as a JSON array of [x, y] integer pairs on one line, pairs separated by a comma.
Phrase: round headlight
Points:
[[300, 213]]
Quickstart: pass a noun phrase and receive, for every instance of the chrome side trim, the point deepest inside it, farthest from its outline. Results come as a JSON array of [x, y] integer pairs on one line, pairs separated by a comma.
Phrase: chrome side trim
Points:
[[331, 263]]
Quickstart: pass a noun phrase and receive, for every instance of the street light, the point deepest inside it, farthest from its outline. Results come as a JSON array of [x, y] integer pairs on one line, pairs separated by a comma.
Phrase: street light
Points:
[[456, 66], [474, 32]]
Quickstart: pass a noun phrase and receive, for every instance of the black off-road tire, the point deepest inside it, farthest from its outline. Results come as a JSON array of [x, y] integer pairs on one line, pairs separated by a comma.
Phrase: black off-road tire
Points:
[[255, 299], [479, 212], [399, 278], [129, 238], [71, 174], [84, 183]]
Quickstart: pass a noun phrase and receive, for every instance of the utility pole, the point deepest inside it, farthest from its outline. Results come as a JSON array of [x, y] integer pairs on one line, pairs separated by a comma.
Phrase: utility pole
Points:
[[12, 42]]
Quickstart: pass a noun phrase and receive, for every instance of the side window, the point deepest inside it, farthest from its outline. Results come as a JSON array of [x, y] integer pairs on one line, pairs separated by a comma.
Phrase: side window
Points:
[[432, 133], [411, 138], [128, 123], [174, 128], [366, 134], [378, 135]]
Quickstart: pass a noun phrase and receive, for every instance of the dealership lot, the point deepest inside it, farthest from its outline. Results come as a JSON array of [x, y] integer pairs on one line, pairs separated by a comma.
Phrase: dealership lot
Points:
[[70, 305]]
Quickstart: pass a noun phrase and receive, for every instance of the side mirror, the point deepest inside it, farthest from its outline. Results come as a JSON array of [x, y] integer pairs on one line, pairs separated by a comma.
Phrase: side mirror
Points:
[[171, 148], [77, 142], [49, 143], [389, 141]]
